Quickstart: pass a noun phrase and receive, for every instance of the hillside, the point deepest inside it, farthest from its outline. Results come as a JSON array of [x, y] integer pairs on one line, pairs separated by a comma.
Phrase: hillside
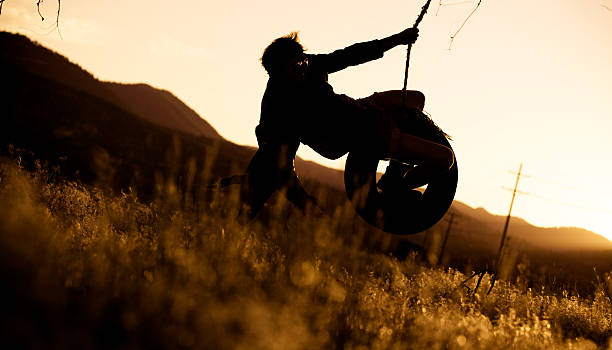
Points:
[[161, 107], [553, 238]]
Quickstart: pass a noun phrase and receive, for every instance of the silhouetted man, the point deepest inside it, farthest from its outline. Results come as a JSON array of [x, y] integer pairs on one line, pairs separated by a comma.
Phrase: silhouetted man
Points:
[[300, 106]]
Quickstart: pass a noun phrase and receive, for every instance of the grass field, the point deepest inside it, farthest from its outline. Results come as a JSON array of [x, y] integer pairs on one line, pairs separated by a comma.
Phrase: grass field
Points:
[[83, 268]]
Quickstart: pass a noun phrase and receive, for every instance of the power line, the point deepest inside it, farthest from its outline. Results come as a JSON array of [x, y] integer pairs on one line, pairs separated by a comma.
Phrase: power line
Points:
[[592, 209], [535, 195], [570, 187]]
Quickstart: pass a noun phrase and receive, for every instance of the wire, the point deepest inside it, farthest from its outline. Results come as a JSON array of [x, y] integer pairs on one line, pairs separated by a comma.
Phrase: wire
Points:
[[560, 202], [570, 187], [592, 209]]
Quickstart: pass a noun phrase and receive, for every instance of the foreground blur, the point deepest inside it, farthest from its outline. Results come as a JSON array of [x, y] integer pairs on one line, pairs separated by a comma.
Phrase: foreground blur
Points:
[[82, 268]]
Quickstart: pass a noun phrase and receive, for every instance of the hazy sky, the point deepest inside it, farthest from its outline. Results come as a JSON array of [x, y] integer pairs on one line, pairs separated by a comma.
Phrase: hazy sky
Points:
[[525, 80]]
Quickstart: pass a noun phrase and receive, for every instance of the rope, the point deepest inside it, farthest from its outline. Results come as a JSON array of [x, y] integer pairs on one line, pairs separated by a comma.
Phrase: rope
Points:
[[416, 24]]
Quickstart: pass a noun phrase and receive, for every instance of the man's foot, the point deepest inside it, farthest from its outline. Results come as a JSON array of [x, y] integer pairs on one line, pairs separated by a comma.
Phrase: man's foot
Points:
[[401, 198], [393, 177], [402, 176], [416, 177], [412, 195]]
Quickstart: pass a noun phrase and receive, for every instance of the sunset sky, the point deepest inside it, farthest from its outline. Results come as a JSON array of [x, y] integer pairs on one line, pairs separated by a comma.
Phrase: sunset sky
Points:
[[525, 81]]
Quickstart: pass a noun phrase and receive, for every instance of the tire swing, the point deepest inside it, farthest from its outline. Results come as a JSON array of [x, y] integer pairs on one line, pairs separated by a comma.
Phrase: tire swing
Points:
[[401, 210]]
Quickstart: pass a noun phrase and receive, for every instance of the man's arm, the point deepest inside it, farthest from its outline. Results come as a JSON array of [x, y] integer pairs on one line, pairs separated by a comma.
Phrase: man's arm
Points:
[[363, 52], [405, 37]]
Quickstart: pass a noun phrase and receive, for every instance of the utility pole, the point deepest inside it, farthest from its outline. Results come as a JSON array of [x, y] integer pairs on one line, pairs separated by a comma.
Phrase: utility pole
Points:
[[503, 239], [450, 224]]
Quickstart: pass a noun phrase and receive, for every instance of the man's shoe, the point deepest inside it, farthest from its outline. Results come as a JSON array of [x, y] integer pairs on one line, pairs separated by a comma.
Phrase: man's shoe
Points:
[[393, 177]]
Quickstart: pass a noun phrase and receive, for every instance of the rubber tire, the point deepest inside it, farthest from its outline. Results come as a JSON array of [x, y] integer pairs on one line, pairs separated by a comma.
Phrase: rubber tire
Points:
[[403, 214]]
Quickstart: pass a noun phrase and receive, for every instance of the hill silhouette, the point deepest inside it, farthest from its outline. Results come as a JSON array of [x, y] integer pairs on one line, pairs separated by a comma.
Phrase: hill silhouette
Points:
[[161, 108], [555, 238], [135, 136]]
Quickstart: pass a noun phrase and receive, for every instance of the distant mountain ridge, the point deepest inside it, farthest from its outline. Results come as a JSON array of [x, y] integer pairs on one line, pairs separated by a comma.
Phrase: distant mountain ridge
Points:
[[53, 102], [161, 107], [554, 238]]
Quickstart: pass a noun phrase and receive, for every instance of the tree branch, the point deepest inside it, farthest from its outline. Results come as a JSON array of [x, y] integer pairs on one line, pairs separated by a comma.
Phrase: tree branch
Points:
[[59, 7], [38, 9], [38, 2], [451, 4], [463, 24]]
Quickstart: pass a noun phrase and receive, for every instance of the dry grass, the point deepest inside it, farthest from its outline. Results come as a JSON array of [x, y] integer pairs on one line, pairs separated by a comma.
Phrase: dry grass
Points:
[[86, 269]]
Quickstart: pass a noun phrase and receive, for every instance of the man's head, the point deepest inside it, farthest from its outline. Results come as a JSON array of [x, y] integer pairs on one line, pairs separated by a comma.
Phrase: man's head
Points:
[[284, 57]]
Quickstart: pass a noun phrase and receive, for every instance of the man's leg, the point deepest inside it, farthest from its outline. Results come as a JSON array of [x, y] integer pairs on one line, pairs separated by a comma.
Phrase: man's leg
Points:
[[394, 99], [259, 182], [414, 162], [405, 149], [410, 100], [415, 150]]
